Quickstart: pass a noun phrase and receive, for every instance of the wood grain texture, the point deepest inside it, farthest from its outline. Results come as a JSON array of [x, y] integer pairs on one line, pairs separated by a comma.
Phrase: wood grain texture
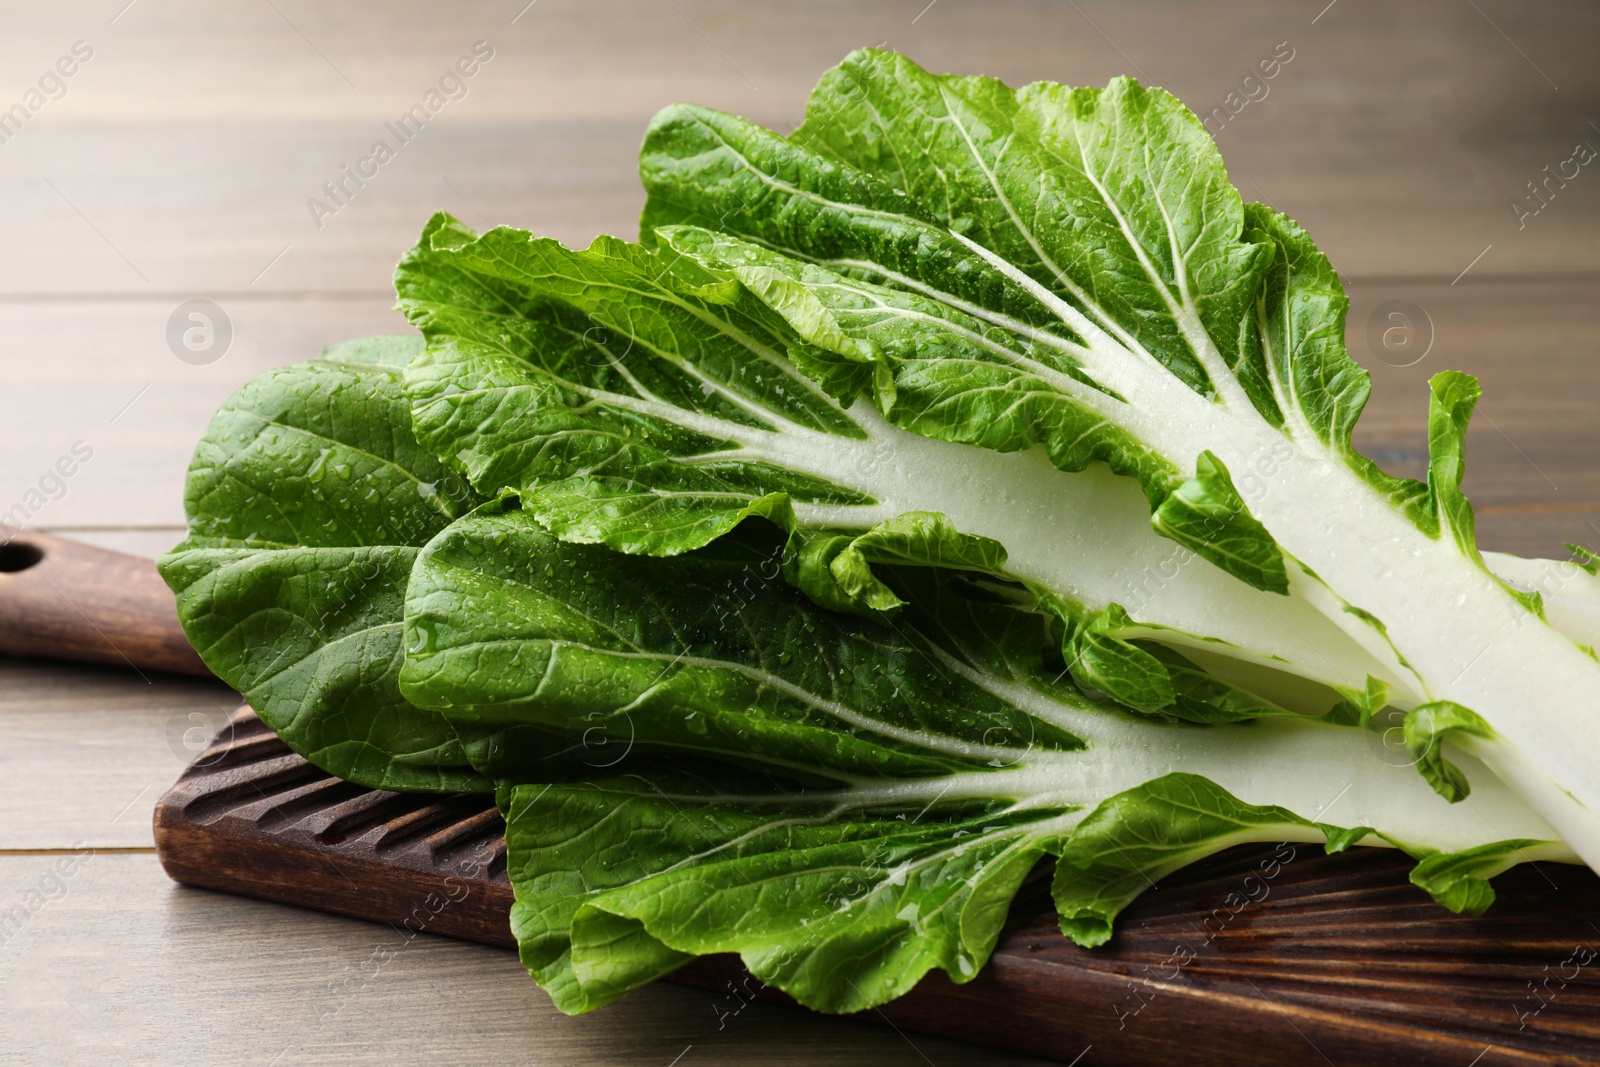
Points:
[[1257, 956], [116, 964], [192, 141], [85, 750], [69, 600]]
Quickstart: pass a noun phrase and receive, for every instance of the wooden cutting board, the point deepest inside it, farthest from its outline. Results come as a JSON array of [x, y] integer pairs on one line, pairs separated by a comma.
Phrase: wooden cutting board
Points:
[[1258, 956]]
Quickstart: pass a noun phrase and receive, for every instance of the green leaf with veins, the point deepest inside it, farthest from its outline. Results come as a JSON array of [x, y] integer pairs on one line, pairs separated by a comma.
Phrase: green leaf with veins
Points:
[[838, 570], [1427, 727], [308, 499], [637, 426], [1460, 880], [1452, 398], [608, 391], [1138, 837], [1112, 655], [1300, 314], [1207, 515], [710, 654], [842, 909], [937, 365], [1103, 663], [1114, 299], [845, 802]]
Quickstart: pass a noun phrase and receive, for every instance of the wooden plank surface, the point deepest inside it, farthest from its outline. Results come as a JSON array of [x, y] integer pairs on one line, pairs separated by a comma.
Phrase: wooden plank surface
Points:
[[1397, 133], [87, 750], [119, 965], [178, 165]]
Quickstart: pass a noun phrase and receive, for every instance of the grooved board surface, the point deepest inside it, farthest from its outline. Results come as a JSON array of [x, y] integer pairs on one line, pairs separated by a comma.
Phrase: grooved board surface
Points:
[[1299, 951]]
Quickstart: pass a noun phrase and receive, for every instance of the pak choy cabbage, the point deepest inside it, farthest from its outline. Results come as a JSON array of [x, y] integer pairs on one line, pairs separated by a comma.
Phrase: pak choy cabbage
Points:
[[960, 482]]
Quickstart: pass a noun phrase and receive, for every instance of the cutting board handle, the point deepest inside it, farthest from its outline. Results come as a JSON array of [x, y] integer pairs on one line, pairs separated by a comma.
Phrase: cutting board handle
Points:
[[67, 600]]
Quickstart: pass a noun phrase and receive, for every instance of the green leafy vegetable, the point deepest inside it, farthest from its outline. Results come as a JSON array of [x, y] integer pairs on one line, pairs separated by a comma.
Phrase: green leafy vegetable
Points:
[[1192, 336], [845, 803], [694, 757], [308, 499], [961, 484]]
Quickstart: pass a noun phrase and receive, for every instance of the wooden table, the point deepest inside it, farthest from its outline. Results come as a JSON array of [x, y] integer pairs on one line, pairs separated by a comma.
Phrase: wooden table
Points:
[[178, 165]]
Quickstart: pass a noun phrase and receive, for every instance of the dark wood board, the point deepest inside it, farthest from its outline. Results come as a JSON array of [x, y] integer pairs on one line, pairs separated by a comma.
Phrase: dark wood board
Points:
[[69, 600], [1258, 956]]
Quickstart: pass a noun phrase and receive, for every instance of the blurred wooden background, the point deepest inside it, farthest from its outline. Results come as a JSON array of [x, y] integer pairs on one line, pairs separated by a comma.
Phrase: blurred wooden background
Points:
[[177, 165]]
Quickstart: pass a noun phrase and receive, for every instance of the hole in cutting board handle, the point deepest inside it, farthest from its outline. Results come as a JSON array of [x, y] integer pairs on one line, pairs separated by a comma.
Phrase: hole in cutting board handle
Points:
[[19, 556]]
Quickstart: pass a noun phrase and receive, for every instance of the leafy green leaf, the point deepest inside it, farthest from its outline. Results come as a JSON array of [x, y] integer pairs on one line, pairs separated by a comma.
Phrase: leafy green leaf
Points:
[[847, 802], [621, 880], [1207, 515], [710, 654], [1360, 705], [1460, 880], [1300, 314], [1116, 301], [608, 390], [308, 499], [1427, 727], [1587, 558], [1453, 397], [838, 572], [1134, 676], [1136, 838], [1112, 655]]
